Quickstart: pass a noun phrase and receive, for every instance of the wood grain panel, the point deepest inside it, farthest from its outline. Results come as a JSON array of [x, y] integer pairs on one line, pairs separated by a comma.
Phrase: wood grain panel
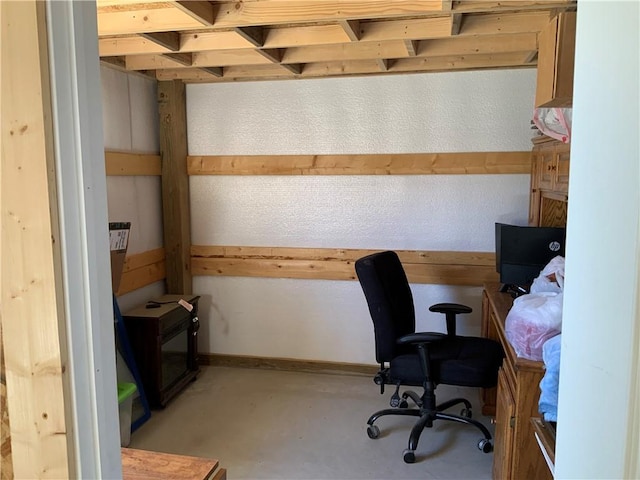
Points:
[[433, 267], [130, 163], [175, 185], [142, 269], [375, 164], [33, 318], [147, 465]]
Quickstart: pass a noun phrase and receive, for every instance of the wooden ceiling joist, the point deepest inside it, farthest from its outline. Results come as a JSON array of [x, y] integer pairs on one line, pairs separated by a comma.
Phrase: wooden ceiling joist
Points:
[[167, 40], [270, 39], [274, 12], [351, 28], [253, 35], [185, 59], [215, 71], [412, 47], [200, 11]]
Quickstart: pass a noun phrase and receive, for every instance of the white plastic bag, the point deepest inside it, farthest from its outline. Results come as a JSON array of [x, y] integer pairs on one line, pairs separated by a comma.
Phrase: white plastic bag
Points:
[[551, 278], [533, 319]]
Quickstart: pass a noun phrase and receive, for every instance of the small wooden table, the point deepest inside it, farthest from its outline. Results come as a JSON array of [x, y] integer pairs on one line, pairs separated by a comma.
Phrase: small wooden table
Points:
[[146, 465]]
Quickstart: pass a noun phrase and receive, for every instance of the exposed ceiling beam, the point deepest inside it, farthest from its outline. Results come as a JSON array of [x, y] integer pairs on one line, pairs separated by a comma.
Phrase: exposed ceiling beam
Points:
[[227, 40], [349, 51], [383, 64], [409, 29], [273, 12], [293, 67], [152, 62], [441, 47], [351, 28], [456, 21], [226, 58], [477, 6], [185, 59], [272, 54], [200, 11], [504, 23], [412, 47], [142, 18], [280, 37], [215, 71], [253, 35], [168, 40], [131, 45]]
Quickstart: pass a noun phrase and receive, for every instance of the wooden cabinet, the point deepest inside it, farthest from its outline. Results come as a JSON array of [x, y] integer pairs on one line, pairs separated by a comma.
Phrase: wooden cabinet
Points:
[[515, 401], [549, 183], [164, 343], [556, 51], [505, 421]]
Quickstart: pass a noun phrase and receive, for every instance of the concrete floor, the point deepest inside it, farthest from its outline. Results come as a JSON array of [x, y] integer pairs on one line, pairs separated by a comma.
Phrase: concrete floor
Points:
[[264, 424]]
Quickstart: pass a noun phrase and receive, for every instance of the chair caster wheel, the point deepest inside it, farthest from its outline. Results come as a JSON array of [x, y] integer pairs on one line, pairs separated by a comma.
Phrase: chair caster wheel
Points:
[[409, 456], [466, 412], [373, 431], [485, 445]]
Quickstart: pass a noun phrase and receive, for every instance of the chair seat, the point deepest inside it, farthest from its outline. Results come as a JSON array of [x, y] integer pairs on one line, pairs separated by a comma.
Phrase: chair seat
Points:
[[463, 361]]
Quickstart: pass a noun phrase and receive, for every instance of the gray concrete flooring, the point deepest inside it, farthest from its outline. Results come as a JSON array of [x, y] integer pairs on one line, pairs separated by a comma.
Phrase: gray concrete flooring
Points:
[[264, 424]]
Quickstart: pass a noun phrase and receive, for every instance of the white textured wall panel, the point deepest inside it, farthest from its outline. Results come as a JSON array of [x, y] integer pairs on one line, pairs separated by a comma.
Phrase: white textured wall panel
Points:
[[307, 319], [420, 212], [438, 112], [326, 320], [130, 118], [144, 114], [116, 115], [137, 200]]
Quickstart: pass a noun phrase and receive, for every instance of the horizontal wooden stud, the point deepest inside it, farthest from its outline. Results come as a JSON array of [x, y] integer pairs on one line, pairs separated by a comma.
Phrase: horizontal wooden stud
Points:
[[142, 269], [433, 267], [374, 164], [129, 163]]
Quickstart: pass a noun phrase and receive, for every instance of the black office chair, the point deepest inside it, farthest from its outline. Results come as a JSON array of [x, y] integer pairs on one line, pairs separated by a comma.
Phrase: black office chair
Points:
[[421, 359]]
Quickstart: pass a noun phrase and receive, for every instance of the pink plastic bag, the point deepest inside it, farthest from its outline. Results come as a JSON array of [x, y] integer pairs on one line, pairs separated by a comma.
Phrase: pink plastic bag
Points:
[[554, 122], [532, 320]]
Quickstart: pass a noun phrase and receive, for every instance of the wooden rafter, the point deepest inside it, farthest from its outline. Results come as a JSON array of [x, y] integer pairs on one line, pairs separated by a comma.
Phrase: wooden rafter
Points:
[[270, 39]]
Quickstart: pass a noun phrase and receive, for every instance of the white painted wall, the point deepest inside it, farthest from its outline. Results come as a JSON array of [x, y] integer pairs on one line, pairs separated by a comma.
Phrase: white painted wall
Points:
[[130, 119], [599, 370], [328, 320]]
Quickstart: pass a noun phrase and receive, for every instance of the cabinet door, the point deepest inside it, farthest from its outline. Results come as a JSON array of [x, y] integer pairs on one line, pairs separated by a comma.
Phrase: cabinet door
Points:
[[545, 83], [546, 175], [503, 445], [534, 192], [556, 51], [561, 180]]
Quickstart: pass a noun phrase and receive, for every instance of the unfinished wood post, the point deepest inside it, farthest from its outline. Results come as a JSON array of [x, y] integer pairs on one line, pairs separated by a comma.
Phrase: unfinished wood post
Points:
[[32, 314], [175, 185]]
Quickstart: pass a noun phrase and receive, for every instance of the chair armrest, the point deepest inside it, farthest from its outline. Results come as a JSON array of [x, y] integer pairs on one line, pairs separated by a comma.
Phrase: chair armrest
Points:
[[450, 310], [450, 307], [421, 337]]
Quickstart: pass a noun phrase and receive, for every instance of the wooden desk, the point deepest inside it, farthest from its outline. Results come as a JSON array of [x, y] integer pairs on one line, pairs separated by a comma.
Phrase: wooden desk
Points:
[[515, 400], [146, 465]]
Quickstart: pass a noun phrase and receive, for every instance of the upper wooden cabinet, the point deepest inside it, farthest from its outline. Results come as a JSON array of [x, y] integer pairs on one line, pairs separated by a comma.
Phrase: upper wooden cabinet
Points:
[[556, 51], [549, 183]]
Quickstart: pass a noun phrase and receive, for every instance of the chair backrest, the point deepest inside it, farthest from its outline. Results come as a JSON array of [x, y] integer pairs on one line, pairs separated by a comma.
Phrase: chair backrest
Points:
[[390, 301]]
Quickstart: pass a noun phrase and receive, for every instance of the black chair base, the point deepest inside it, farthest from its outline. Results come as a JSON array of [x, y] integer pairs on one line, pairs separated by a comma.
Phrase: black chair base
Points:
[[426, 418]]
